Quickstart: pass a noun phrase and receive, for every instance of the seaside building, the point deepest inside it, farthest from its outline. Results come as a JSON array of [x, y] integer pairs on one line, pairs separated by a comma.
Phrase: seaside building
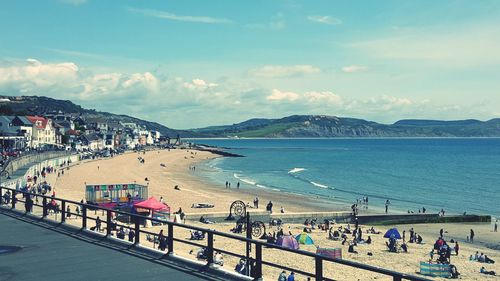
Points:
[[11, 136], [44, 132]]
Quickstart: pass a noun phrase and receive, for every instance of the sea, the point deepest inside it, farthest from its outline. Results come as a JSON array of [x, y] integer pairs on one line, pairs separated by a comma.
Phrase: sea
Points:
[[454, 174]]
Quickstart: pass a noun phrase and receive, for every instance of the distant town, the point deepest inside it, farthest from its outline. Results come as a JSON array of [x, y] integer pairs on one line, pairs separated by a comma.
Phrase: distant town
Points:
[[68, 131]]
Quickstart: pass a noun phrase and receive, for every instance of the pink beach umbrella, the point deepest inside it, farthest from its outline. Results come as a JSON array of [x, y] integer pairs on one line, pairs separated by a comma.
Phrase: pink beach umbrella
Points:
[[287, 241]]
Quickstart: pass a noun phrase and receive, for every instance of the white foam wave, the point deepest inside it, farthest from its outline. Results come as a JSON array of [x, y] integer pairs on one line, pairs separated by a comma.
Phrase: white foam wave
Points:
[[296, 170], [245, 180], [267, 187], [319, 185]]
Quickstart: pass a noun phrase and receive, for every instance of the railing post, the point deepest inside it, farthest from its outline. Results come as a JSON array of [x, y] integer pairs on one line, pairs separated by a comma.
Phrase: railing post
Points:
[[108, 222], [13, 199], [210, 248], [63, 211], [258, 262], [397, 278], [44, 207], [170, 239], [319, 268], [137, 231], [1, 195], [84, 217]]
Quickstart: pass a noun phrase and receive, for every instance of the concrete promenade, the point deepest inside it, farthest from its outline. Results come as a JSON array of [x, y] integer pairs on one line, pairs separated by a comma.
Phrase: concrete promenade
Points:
[[48, 253]]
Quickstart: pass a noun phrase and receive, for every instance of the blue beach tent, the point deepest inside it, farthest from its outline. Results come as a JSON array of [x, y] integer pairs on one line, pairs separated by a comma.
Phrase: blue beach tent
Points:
[[392, 233], [304, 239]]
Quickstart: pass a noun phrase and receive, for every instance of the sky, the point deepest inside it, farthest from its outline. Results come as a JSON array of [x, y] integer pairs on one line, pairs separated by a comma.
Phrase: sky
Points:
[[190, 64]]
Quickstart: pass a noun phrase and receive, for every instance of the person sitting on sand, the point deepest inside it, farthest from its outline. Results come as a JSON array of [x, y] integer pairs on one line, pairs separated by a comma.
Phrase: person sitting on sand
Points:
[[369, 240], [240, 267], [177, 187], [205, 220], [454, 272], [344, 239], [307, 230], [333, 235], [488, 260], [391, 245], [484, 271], [419, 239], [351, 247], [481, 258], [404, 247], [219, 259], [476, 256]]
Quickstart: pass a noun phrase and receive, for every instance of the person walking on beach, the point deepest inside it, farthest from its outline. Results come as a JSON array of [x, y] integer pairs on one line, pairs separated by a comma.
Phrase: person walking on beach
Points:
[[387, 203], [471, 236], [238, 185], [456, 248], [227, 184], [256, 203], [269, 207], [495, 228], [98, 224], [441, 233], [162, 243], [68, 212]]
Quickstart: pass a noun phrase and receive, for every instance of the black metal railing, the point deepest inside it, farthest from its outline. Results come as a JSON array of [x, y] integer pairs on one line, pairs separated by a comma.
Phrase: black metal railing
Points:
[[257, 260]]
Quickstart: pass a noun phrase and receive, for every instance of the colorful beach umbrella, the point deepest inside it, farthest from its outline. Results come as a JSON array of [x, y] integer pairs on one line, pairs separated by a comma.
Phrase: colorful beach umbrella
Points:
[[392, 233], [304, 238], [287, 241]]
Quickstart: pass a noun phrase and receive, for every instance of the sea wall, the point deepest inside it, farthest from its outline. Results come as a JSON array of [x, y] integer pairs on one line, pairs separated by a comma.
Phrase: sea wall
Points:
[[419, 218], [285, 217], [22, 161], [18, 180]]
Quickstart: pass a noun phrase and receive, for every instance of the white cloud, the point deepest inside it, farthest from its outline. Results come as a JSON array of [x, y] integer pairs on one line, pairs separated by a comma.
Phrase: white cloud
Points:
[[171, 16], [278, 95], [199, 84], [325, 20], [323, 97], [354, 68], [73, 2], [462, 46], [169, 100], [277, 71]]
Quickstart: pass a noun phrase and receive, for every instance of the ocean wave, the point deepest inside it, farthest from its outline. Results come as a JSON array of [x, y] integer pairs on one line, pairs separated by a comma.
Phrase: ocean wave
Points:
[[296, 170], [267, 187], [245, 180], [318, 184]]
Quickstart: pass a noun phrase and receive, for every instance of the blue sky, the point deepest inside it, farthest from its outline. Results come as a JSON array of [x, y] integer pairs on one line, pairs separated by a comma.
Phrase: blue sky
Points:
[[190, 64]]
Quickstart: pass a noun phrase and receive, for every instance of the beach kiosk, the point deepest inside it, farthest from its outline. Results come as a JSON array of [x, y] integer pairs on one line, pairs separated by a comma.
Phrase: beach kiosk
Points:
[[112, 195], [153, 208]]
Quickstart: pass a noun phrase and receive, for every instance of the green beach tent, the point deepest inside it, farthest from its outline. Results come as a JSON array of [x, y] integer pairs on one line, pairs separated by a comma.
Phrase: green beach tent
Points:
[[304, 239]]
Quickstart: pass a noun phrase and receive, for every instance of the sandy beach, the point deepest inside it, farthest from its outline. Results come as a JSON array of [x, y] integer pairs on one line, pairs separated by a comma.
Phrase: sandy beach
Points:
[[175, 171], [162, 179]]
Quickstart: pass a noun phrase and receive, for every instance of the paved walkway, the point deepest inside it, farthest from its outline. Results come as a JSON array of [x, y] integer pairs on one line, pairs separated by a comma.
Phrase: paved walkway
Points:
[[51, 255]]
